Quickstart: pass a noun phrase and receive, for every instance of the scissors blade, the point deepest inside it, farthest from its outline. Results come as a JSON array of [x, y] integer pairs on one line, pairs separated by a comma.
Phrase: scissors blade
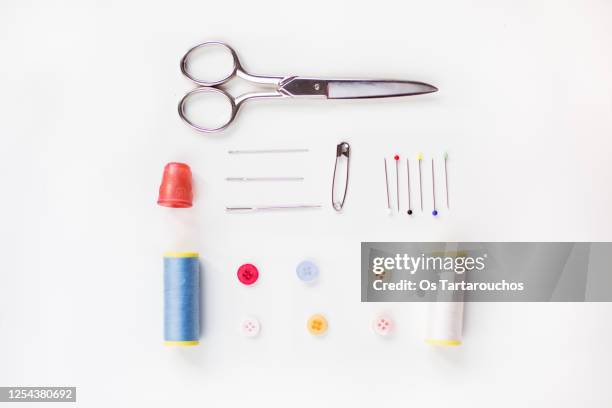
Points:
[[364, 88]]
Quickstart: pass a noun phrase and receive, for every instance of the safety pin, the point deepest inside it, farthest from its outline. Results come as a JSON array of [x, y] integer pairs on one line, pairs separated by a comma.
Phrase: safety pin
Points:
[[342, 149]]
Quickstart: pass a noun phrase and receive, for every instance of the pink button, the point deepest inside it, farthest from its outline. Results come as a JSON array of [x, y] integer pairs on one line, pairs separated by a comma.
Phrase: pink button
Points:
[[248, 274], [382, 325], [250, 327]]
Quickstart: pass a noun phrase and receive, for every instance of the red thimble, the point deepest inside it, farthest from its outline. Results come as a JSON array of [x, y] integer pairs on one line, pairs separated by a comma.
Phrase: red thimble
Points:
[[175, 190]]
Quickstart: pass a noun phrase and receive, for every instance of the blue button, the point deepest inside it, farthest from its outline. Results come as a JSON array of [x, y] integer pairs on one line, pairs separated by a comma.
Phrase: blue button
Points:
[[307, 271]]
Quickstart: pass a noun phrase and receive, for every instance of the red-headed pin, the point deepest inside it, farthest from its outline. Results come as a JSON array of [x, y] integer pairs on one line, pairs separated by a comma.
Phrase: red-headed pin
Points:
[[397, 158]]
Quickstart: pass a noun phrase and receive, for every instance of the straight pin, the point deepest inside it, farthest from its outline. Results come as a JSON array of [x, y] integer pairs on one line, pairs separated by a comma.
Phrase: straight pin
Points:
[[420, 159], [433, 188], [446, 176], [396, 157], [387, 184], [408, 187]]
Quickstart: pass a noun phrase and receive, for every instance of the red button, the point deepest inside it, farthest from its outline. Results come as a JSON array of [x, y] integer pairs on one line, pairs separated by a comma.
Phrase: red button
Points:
[[248, 274]]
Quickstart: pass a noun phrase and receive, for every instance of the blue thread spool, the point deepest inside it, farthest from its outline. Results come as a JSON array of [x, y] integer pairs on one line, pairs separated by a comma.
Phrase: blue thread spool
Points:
[[181, 298]]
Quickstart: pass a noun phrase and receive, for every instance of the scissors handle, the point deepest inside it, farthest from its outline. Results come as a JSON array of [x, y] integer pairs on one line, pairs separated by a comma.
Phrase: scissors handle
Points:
[[211, 46], [233, 103], [212, 87], [236, 68]]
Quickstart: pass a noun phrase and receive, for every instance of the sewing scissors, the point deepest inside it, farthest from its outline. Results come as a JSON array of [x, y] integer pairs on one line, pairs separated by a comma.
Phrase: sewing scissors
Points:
[[285, 87]]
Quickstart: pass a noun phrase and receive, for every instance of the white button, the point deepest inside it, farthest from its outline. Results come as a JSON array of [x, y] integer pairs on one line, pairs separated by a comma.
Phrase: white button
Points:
[[382, 325], [250, 327]]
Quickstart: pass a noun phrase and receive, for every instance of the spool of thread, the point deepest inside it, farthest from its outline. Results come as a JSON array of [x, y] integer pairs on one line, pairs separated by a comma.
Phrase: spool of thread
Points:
[[445, 325], [181, 298]]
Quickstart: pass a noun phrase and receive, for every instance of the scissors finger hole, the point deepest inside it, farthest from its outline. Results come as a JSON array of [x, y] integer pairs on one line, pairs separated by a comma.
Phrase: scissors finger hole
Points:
[[207, 109], [210, 63]]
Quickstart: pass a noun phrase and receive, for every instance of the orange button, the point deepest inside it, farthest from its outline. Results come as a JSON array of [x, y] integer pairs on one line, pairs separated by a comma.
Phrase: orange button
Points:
[[317, 324]]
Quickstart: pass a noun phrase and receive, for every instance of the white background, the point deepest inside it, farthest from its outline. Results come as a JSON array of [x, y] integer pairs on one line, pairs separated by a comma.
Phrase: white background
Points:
[[88, 95]]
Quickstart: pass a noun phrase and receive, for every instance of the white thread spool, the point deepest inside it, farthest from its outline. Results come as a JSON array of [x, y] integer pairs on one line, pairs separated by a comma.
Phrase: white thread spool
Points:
[[445, 325]]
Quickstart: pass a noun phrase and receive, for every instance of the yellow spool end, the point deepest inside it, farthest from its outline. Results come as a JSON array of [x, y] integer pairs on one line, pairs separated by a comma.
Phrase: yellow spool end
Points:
[[181, 255], [182, 343], [451, 343]]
